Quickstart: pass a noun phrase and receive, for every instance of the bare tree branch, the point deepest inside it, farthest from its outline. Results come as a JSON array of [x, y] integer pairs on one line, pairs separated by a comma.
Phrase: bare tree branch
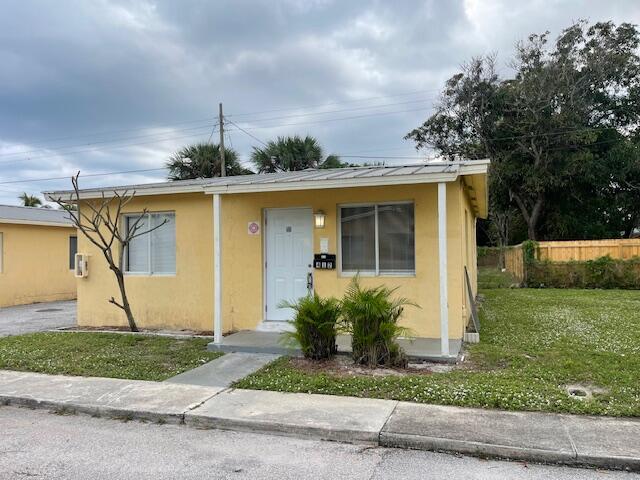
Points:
[[100, 222]]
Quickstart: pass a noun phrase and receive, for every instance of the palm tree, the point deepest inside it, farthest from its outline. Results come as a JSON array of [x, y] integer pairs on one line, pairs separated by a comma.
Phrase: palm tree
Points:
[[202, 160], [30, 200], [292, 153]]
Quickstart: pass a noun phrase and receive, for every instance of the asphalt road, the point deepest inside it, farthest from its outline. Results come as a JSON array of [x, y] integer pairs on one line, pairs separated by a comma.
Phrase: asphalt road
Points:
[[36, 317], [38, 444]]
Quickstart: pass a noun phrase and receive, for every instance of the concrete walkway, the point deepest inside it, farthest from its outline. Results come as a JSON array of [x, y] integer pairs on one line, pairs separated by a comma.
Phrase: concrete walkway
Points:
[[536, 437], [225, 370]]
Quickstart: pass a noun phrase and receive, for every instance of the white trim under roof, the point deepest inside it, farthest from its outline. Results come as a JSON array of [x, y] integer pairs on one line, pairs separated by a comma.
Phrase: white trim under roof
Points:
[[310, 179]]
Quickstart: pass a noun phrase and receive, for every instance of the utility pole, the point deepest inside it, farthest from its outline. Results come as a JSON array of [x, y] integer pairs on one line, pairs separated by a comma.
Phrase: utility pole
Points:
[[223, 167]]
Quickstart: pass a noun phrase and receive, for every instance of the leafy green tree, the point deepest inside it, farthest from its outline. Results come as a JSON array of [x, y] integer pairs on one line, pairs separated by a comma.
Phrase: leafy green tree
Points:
[[559, 132], [203, 161], [292, 153], [333, 161], [30, 200]]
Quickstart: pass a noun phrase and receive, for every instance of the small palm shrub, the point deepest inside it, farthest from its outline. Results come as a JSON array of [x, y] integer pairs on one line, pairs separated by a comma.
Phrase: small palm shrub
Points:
[[315, 326], [371, 317]]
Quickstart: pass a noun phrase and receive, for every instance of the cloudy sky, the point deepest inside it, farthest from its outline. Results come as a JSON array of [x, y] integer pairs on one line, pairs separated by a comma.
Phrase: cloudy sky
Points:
[[112, 86]]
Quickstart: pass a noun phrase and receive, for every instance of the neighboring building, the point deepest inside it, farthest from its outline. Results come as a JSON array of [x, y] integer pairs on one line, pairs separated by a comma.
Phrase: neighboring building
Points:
[[37, 248], [259, 234]]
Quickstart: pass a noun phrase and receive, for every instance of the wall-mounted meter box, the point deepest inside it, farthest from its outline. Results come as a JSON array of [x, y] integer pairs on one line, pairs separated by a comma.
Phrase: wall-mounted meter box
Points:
[[324, 261]]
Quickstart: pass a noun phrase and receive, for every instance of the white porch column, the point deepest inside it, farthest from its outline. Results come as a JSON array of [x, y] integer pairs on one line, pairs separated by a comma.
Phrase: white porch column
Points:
[[217, 271], [442, 268]]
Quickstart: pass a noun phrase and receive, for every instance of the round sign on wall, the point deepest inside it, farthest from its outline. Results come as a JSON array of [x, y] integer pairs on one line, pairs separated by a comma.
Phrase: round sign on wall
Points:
[[253, 228]]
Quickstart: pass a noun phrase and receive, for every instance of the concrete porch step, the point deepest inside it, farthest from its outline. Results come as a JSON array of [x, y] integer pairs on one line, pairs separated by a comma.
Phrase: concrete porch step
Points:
[[252, 341]]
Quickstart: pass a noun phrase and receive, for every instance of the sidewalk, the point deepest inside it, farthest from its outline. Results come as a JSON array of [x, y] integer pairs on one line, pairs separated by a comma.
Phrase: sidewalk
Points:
[[536, 437]]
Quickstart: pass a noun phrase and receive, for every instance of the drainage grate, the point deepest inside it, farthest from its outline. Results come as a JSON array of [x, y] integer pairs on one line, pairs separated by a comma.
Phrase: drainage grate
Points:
[[49, 310]]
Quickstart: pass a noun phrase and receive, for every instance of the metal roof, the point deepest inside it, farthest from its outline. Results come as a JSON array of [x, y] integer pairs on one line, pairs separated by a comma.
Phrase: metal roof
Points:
[[34, 216], [299, 180]]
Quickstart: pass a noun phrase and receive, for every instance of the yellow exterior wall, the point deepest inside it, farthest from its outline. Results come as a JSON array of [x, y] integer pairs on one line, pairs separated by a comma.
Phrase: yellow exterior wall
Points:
[[185, 301], [180, 301], [243, 278], [35, 264], [468, 252]]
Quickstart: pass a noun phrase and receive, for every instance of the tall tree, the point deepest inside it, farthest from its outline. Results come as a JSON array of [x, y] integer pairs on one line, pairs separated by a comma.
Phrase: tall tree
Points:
[[202, 160], [30, 200], [549, 130], [292, 153]]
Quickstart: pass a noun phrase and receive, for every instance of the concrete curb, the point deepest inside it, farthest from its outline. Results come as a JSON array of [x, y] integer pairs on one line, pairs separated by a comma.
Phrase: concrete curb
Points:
[[601, 442], [281, 429], [114, 413], [477, 449], [382, 439]]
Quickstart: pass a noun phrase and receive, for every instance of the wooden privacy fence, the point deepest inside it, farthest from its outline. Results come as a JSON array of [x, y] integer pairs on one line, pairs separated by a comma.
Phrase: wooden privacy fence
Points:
[[582, 250], [514, 262], [568, 251]]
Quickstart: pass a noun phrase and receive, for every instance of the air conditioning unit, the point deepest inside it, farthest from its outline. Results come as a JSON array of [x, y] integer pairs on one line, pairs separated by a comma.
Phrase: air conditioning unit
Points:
[[82, 265]]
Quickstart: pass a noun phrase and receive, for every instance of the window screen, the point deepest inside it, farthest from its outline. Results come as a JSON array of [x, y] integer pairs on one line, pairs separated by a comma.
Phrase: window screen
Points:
[[378, 239], [154, 252], [396, 238], [358, 238]]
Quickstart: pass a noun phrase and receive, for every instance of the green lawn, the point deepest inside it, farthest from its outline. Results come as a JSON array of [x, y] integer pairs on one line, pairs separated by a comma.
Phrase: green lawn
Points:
[[533, 344], [491, 277], [115, 355]]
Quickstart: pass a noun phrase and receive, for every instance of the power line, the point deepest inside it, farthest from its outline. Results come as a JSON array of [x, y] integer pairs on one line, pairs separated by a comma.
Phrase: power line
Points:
[[127, 130], [243, 130], [211, 119], [29, 180], [98, 149], [373, 114], [313, 114], [380, 114], [212, 132], [318, 105], [387, 157], [207, 125], [102, 142]]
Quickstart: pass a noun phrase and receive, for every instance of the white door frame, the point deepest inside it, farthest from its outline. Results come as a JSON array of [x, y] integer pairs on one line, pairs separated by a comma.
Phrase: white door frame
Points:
[[265, 213]]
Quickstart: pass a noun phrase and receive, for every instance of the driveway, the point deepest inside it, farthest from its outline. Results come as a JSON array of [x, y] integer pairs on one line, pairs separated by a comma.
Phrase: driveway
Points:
[[37, 317]]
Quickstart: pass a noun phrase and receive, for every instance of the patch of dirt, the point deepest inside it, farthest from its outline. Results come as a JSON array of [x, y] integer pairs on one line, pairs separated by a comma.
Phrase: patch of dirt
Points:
[[584, 391], [203, 333], [343, 366]]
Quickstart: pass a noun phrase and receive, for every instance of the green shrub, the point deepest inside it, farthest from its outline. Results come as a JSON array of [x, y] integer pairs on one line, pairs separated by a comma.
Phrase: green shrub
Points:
[[604, 272], [315, 325], [529, 250], [371, 317]]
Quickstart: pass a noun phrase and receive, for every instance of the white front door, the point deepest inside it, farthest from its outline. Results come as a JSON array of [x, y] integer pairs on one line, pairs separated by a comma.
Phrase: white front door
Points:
[[289, 257]]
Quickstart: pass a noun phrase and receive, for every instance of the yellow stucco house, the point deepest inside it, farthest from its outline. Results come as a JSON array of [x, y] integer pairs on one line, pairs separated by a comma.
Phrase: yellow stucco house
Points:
[[37, 248], [231, 249]]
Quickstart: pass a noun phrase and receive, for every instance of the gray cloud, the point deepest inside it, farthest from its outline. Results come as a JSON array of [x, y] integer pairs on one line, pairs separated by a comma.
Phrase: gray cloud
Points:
[[152, 73]]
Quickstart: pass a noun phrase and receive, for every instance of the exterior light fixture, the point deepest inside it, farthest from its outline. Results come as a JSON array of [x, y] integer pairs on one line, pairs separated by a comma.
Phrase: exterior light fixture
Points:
[[319, 218]]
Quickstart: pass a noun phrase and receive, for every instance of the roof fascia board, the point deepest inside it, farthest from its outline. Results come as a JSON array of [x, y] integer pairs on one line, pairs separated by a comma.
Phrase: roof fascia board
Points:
[[92, 194], [35, 222]]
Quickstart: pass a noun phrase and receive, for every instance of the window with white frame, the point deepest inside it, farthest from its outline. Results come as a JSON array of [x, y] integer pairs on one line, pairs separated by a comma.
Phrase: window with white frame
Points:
[[378, 239], [152, 253]]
